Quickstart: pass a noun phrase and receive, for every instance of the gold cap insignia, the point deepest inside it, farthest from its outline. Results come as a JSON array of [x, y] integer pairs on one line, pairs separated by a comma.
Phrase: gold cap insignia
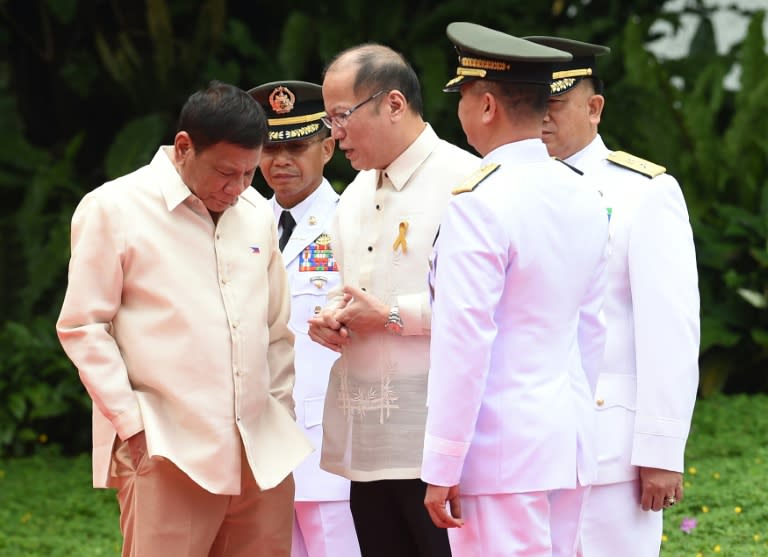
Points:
[[312, 220], [561, 85], [282, 100]]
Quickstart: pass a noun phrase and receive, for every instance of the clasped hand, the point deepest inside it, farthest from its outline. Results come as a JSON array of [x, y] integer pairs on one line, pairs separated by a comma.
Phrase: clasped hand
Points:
[[358, 312]]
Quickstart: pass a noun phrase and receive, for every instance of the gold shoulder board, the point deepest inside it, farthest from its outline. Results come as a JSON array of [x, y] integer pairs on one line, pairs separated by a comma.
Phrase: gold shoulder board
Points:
[[642, 166], [471, 183]]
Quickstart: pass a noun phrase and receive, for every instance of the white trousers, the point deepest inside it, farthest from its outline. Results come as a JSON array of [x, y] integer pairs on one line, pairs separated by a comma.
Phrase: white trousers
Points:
[[535, 524], [324, 529], [615, 524]]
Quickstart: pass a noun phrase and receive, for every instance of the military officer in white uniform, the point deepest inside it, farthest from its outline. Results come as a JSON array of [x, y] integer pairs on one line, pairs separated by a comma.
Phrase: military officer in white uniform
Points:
[[516, 328], [298, 147], [647, 385]]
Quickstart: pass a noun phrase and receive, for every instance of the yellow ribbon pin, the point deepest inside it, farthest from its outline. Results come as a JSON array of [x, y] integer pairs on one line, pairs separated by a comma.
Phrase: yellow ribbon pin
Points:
[[401, 242]]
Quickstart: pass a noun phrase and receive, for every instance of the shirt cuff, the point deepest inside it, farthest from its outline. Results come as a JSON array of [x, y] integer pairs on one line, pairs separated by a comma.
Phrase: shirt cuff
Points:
[[443, 461], [416, 317], [128, 423], [659, 443]]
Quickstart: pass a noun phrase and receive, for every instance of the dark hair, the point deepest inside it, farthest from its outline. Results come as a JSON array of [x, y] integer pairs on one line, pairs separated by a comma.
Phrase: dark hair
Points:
[[597, 84], [529, 97], [379, 67], [223, 113], [324, 132]]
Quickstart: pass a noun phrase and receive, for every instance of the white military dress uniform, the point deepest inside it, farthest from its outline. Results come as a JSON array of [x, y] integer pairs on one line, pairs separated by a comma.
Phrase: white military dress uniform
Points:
[[322, 499], [647, 385], [516, 339]]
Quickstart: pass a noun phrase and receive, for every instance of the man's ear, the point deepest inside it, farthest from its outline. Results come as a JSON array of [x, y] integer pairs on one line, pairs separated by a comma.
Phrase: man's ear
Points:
[[489, 105], [328, 146], [595, 104], [395, 104], [182, 147]]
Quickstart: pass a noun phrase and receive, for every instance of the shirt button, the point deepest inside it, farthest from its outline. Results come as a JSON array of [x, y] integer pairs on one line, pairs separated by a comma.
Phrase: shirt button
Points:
[[378, 207], [600, 401], [370, 248], [235, 324]]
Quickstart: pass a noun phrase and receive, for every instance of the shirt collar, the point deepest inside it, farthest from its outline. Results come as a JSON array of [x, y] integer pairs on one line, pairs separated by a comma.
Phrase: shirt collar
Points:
[[172, 187], [524, 151], [404, 166], [300, 209], [595, 150]]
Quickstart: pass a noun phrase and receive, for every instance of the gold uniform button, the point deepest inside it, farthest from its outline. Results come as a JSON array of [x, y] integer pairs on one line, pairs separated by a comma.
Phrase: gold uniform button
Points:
[[600, 401]]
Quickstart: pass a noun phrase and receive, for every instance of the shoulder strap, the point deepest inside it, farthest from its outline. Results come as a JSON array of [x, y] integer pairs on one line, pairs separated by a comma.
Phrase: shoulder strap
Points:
[[636, 164], [473, 180]]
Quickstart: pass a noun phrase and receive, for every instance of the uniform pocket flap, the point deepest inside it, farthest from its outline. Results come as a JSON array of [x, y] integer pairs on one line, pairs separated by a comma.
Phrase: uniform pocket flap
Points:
[[314, 283], [614, 389]]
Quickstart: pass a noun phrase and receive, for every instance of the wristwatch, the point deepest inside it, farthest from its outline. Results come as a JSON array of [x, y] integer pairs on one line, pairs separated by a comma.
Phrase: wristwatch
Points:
[[394, 323]]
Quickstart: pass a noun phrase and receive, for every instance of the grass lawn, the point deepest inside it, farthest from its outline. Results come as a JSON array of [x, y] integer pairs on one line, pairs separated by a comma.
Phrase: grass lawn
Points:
[[48, 509], [725, 482]]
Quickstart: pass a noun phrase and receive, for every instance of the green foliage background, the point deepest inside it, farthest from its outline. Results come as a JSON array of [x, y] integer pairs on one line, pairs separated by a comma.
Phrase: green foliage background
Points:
[[90, 88]]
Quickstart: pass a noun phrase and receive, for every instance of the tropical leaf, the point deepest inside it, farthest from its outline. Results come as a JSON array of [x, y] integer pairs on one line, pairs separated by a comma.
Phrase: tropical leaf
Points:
[[756, 299], [63, 10], [135, 144], [296, 43], [715, 333], [752, 56], [161, 33]]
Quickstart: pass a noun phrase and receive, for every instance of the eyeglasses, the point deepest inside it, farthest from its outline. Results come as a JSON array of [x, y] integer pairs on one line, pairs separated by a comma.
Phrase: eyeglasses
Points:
[[293, 148], [340, 120]]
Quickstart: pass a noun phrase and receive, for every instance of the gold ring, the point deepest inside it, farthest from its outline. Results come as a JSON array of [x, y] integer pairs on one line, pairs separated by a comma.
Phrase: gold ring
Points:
[[670, 500]]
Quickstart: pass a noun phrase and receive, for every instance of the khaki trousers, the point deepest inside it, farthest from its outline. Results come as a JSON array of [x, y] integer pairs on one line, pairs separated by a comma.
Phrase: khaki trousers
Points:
[[163, 513]]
